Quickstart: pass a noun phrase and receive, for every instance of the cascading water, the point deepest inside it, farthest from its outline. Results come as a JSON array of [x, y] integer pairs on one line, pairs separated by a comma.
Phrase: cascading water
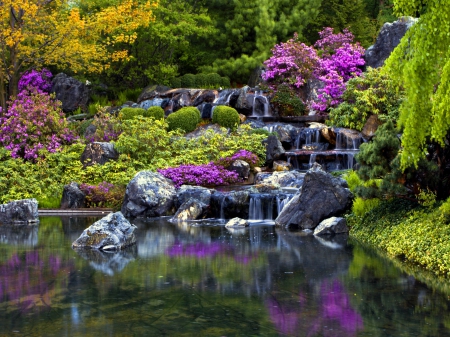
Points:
[[267, 206], [258, 100]]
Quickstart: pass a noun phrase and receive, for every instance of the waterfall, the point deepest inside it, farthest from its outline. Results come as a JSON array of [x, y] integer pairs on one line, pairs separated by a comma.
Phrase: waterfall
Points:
[[282, 201], [267, 206], [265, 103], [312, 159]]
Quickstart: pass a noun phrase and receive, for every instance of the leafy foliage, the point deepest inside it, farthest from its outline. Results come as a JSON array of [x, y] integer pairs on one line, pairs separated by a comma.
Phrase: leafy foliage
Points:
[[103, 195], [226, 117], [34, 121], [155, 112], [107, 127], [129, 113], [185, 119], [288, 102], [421, 64], [371, 93]]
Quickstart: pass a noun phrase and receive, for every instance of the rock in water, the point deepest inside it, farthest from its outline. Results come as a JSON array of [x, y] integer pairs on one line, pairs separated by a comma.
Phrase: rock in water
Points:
[[333, 225], [19, 211], [149, 194], [321, 197], [237, 222], [113, 232]]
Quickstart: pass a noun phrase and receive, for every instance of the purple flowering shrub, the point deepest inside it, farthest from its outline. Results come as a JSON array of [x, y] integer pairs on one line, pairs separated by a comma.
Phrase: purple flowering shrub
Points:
[[34, 122], [200, 175], [247, 156], [41, 80], [340, 61], [103, 195], [333, 59], [292, 64]]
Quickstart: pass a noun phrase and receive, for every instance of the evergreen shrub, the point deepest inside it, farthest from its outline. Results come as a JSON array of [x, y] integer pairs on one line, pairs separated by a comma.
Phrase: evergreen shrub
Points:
[[155, 112], [175, 82], [226, 116], [288, 102], [185, 119], [188, 81], [129, 113]]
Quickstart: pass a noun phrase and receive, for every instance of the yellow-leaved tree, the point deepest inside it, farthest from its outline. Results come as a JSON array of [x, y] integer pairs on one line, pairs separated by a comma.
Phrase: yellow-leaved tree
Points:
[[37, 33]]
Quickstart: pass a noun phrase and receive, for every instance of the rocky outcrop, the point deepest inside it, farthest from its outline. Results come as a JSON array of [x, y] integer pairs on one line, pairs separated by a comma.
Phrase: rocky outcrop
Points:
[[98, 153], [241, 167], [322, 196], [72, 93], [274, 149], [371, 126], [331, 226], [191, 209], [19, 211], [237, 222], [281, 165], [186, 192], [230, 205], [388, 38], [113, 232], [148, 194], [73, 197], [292, 179]]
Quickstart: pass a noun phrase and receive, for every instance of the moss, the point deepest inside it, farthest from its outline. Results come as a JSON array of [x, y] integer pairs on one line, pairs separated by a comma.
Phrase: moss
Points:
[[407, 231]]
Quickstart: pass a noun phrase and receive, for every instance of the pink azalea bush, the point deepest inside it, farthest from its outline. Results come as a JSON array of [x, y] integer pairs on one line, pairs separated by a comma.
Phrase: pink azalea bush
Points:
[[34, 121], [247, 156], [333, 59]]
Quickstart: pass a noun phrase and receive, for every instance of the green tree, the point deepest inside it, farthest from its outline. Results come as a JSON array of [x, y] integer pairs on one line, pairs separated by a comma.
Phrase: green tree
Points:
[[249, 29], [421, 64]]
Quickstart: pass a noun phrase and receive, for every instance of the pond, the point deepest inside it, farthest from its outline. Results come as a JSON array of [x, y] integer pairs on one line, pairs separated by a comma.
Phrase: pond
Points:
[[195, 279]]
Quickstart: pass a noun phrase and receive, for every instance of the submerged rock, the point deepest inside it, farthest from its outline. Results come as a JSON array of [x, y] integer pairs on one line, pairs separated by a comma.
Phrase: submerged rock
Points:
[[322, 196], [19, 211], [333, 225], [148, 194], [113, 232]]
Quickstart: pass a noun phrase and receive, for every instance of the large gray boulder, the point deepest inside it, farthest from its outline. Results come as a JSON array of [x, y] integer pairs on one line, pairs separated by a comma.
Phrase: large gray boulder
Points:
[[72, 196], [72, 93], [148, 194], [19, 211], [388, 38], [292, 179], [191, 209], [199, 193], [98, 153], [274, 149], [113, 232], [322, 196]]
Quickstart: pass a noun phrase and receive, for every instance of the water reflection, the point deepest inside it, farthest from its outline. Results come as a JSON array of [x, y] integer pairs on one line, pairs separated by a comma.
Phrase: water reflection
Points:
[[202, 279]]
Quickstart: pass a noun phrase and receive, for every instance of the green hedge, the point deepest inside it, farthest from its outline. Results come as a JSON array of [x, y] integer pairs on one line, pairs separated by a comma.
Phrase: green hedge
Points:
[[154, 111], [129, 113], [226, 116], [185, 119]]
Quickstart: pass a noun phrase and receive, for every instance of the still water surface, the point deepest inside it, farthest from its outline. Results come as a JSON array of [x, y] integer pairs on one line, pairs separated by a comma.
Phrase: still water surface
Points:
[[192, 280]]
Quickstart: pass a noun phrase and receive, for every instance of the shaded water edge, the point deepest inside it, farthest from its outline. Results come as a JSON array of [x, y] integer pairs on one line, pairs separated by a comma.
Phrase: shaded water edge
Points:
[[432, 280]]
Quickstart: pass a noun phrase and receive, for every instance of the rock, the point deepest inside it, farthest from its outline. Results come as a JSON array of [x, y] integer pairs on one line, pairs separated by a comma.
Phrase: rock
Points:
[[287, 134], [237, 222], [72, 93], [98, 153], [73, 197], [274, 149], [205, 110], [241, 167], [242, 118], [292, 179], [255, 77], [322, 196], [388, 38], [199, 193], [148, 194], [112, 230], [265, 188], [151, 92], [191, 209], [372, 124], [181, 100], [330, 226], [255, 124], [230, 205], [281, 165], [348, 139], [19, 211], [89, 134], [243, 103], [207, 96]]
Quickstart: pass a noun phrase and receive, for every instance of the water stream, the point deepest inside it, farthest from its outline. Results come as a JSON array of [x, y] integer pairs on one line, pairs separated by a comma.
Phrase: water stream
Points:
[[200, 279]]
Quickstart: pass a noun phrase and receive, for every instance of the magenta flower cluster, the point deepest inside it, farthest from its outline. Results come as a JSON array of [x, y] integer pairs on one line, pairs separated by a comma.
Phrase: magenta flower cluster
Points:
[[292, 63], [41, 80], [334, 59], [340, 61], [34, 121], [247, 156], [200, 175]]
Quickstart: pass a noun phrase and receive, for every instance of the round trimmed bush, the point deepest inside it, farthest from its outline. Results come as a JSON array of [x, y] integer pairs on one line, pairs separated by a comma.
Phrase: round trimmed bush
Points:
[[185, 119], [154, 111], [129, 113], [175, 82], [188, 81], [226, 116]]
